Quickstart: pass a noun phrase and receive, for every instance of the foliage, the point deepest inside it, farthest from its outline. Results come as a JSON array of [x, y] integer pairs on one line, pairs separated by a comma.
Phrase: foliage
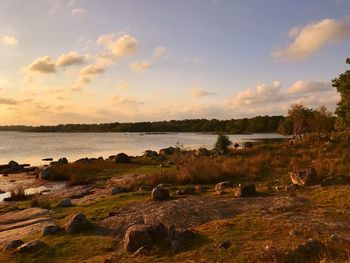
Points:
[[222, 143], [257, 124], [342, 84]]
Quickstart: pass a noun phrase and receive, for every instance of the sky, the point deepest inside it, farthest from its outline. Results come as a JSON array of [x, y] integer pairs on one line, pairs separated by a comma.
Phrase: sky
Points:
[[97, 61]]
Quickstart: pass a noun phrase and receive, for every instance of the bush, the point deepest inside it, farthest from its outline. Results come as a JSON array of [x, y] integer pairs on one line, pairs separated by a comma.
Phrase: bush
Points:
[[222, 143]]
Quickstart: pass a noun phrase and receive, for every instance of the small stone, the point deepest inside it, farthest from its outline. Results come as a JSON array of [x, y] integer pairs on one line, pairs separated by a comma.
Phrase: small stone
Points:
[[160, 194], [31, 247], [50, 230], [13, 244], [77, 223], [117, 190], [245, 190], [66, 203]]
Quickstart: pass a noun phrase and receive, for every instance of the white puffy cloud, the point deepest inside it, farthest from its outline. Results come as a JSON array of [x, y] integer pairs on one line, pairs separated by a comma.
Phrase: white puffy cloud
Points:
[[312, 37], [86, 74], [41, 65], [198, 93], [69, 59], [262, 93], [125, 45], [159, 52], [140, 66], [9, 40], [78, 11], [300, 87]]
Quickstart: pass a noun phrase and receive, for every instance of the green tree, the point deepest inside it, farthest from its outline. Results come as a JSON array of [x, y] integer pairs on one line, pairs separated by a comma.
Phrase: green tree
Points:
[[222, 143], [299, 116], [342, 84]]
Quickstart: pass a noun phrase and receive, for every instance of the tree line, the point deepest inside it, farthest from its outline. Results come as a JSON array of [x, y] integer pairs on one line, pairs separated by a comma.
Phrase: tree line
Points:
[[259, 124]]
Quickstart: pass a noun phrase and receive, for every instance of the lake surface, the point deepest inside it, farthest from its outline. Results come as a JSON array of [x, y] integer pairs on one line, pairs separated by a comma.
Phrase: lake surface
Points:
[[32, 147]]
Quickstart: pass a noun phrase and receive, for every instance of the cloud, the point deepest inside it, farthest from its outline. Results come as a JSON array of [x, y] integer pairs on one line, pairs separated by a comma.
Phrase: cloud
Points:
[[140, 66], [8, 101], [125, 103], [159, 52], [86, 74], [193, 60], [9, 40], [302, 87], [123, 85], [79, 12], [262, 93], [312, 37], [70, 59], [125, 45], [43, 65], [198, 93]]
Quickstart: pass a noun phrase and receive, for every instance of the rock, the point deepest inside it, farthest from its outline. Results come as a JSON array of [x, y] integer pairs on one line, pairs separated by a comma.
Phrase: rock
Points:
[[62, 160], [120, 158], [83, 160], [292, 187], [223, 185], [236, 145], [187, 191], [150, 153], [245, 190], [225, 245], [220, 192], [13, 244], [138, 236], [160, 194], [13, 163], [31, 247], [305, 176], [77, 223], [50, 230], [270, 249], [310, 250], [167, 151], [248, 145], [202, 152], [47, 159], [65, 203], [117, 190], [145, 188], [47, 173]]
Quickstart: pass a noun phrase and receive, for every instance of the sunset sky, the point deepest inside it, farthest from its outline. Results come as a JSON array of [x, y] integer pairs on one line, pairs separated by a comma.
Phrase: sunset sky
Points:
[[94, 61]]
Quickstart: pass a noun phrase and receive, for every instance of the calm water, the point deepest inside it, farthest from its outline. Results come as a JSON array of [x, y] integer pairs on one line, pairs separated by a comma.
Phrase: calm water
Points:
[[32, 147]]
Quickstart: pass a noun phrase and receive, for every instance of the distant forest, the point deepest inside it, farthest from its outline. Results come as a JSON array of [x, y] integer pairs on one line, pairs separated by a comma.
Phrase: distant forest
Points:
[[257, 124]]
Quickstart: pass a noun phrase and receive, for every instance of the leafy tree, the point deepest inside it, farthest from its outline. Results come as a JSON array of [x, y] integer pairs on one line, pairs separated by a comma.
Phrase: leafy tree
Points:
[[299, 116], [222, 143], [321, 121], [342, 84]]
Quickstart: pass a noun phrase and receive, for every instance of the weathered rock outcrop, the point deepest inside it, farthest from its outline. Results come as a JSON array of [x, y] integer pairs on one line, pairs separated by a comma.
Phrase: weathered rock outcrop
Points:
[[77, 223]]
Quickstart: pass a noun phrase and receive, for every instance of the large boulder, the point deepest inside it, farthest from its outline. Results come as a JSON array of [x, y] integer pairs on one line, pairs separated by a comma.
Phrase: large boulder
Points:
[[77, 223], [202, 152], [138, 236], [166, 151], [160, 194], [245, 190], [47, 173], [31, 246], [120, 158], [304, 176], [150, 153]]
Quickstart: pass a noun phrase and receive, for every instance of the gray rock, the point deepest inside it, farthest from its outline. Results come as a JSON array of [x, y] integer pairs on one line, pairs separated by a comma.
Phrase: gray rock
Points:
[[77, 223], [13, 244], [117, 190], [245, 190], [120, 158], [66, 203], [167, 151], [138, 236], [160, 194], [150, 153], [31, 247], [50, 230]]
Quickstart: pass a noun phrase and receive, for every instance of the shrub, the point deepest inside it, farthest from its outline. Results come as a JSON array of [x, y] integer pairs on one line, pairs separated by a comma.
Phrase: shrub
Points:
[[222, 143]]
